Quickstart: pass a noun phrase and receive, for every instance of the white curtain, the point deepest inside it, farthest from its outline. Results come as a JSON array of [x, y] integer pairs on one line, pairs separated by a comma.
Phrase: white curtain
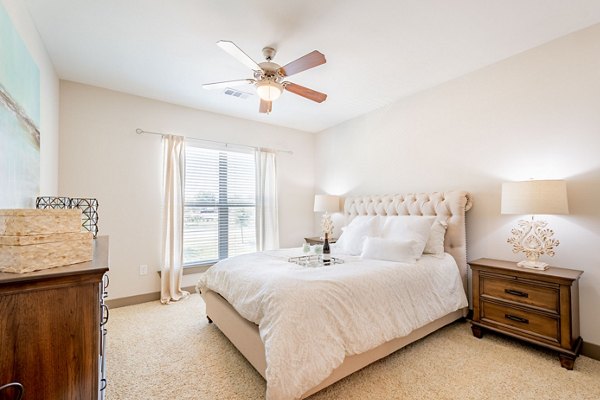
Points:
[[174, 194], [267, 222]]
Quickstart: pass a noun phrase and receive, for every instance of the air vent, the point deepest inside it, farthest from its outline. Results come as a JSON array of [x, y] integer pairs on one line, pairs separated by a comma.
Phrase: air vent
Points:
[[236, 93]]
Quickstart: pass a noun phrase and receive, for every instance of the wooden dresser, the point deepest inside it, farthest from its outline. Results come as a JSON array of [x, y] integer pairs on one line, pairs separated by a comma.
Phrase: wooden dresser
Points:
[[540, 307], [51, 338]]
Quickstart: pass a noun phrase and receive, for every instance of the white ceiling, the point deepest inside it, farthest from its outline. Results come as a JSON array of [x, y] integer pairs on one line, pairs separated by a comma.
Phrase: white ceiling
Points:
[[377, 51]]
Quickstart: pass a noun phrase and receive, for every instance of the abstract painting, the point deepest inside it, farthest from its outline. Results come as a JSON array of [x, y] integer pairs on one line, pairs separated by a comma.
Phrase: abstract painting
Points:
[[19, 120]]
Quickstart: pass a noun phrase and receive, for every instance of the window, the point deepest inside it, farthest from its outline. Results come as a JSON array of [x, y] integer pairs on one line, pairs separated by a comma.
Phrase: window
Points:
[[220, 205]]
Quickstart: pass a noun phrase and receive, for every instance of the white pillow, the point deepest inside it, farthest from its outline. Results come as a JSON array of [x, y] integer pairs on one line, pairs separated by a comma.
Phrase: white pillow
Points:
[[408, 227], [353, 236], [435, 243], [406, 251]]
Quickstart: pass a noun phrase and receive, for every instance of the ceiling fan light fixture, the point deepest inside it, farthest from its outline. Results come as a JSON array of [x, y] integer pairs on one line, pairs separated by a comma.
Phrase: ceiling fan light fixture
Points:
[[269, 90]]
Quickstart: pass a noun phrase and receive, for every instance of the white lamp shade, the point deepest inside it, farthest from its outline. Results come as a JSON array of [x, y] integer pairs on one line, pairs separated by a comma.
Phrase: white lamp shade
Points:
[[326, 203], [269, 90], [535, 197]]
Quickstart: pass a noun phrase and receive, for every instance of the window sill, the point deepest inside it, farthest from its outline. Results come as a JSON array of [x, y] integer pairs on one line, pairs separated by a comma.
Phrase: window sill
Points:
[[193, 269], [196, 269]]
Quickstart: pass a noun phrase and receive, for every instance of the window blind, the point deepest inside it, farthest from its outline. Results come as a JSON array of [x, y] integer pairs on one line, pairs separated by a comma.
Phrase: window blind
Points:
[[220, 204]]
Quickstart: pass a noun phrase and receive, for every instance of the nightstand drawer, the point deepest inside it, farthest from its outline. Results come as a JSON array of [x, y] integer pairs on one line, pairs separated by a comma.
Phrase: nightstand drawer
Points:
[[544, 297], [542, 326]]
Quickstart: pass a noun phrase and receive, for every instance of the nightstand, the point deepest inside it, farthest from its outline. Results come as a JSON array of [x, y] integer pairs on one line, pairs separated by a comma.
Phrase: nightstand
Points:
[[318, 240], [540, 307]]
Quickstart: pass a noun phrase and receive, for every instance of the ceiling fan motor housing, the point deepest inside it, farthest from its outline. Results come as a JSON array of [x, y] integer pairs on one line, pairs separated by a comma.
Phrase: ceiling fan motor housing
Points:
[[269, 69], [268, 85]]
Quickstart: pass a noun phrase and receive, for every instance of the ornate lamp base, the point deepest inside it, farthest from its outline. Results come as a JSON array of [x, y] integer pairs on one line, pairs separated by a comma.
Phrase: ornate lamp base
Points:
[[533, 238], [326, 225], [539, 265]]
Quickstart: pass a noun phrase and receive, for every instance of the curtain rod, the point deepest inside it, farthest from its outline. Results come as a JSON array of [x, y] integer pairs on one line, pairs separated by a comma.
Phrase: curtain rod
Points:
[[140, 131]]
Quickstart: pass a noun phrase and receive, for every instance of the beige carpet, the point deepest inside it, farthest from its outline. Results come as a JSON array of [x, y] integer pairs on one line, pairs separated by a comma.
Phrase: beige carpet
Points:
[[171, 352]]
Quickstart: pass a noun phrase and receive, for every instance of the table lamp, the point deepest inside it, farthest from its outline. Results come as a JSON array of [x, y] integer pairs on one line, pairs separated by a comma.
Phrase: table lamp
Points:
[[533, 237]]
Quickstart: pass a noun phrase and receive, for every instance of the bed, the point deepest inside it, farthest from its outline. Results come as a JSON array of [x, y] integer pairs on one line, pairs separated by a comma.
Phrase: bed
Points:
[[234, 316]]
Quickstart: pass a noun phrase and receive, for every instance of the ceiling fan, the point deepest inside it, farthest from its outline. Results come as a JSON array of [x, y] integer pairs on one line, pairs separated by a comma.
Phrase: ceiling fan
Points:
[[268, 76]]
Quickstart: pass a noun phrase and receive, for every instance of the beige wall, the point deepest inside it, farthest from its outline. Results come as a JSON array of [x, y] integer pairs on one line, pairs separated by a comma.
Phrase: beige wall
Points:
[[49, 95], [534, 115], [101, 156]]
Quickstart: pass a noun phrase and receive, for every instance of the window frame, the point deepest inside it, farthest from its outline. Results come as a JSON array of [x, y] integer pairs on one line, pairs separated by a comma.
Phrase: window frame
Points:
[[222, 205]]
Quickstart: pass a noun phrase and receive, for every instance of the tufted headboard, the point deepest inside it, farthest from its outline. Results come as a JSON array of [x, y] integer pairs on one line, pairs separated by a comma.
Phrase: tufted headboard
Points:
[[449, 206]]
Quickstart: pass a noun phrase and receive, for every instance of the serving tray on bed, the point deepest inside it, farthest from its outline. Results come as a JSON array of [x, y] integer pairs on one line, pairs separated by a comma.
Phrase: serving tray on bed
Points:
[[313, 261]]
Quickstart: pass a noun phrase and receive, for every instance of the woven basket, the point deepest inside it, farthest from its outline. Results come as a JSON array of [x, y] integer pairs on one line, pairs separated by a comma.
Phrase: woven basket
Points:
[[22, 254], [39, 222], [32, 240]]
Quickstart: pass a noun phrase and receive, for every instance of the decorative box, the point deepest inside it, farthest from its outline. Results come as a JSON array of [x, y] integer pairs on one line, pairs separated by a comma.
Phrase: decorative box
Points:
[[23, 222], [32, 240]]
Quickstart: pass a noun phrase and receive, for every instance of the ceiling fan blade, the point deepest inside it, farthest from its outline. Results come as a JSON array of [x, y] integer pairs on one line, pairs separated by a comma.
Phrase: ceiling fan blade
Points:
[[305, 92], [308, 61], [265, 106], [219, 85], [239, 54]]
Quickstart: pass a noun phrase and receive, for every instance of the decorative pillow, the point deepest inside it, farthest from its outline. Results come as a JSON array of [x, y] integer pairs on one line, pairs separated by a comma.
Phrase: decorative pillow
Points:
[[435, 243], [353, 236], [408, 227], [406, 251]]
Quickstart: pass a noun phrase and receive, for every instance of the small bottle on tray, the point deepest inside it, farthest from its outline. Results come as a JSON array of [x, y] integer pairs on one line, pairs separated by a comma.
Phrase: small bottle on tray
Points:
[[326, 250]]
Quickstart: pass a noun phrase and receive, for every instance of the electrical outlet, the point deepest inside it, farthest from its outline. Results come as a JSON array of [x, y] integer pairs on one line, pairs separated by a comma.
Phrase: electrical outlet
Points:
[[143, 270]]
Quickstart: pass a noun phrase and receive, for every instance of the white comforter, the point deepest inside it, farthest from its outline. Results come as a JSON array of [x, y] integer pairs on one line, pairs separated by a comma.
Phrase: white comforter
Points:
[[311, 318]]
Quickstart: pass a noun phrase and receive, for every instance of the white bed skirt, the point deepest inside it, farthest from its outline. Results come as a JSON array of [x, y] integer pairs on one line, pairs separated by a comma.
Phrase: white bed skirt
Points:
[[245, 337]]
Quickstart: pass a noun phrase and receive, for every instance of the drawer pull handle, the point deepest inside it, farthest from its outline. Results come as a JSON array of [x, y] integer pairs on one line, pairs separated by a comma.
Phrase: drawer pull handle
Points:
[[515, 318], [104, 314], [516, 293], [16, 387]]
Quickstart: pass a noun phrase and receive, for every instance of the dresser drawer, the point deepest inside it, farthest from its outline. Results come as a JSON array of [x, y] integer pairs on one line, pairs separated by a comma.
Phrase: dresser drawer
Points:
[[539, 325], [544, 297]]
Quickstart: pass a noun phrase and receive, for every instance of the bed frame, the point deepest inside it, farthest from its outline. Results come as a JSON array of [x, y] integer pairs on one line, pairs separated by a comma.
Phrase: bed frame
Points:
[[449, 206]]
